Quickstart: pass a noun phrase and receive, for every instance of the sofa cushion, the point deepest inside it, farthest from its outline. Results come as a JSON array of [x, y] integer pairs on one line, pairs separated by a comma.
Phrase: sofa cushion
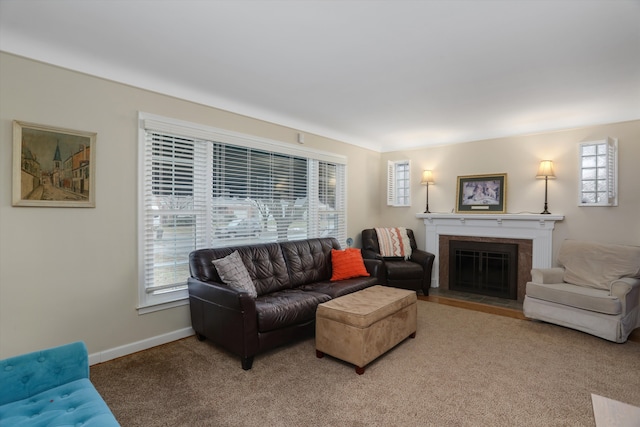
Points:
[[585, 298], [596, 265], [341, 287], [347, 264], [289, 307], [233, 272], [402, 270], [309, 261]]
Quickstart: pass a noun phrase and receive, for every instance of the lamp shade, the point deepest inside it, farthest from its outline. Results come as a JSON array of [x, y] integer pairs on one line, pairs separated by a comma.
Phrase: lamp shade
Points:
[[427, 177], [545, 170]]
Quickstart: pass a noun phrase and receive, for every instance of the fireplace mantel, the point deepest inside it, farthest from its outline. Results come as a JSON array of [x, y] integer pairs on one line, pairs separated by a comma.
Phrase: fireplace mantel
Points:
[[536, 227]]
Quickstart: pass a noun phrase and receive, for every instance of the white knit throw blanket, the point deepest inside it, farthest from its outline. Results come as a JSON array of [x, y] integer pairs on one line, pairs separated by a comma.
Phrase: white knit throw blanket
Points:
[[394, 242]]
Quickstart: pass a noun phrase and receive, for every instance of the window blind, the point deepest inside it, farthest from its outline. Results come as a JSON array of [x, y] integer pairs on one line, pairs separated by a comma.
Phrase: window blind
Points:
[[209, 188]]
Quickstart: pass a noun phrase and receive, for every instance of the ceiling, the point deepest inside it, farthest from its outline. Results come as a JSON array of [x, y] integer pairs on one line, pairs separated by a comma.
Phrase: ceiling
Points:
[[386, 75]]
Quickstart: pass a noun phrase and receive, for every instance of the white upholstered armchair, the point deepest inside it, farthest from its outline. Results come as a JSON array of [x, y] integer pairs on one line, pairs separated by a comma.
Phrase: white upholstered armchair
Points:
[[595, 290]]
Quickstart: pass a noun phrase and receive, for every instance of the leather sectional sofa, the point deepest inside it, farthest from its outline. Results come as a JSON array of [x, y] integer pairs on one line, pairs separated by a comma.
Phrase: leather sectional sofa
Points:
[[290, 278]]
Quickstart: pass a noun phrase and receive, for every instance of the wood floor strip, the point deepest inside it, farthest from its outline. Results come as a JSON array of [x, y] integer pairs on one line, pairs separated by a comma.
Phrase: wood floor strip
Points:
[[501, 311], [485, 308]]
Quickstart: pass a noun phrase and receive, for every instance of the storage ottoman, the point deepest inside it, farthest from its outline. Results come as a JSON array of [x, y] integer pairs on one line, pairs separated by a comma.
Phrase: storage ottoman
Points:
[[359, 327]]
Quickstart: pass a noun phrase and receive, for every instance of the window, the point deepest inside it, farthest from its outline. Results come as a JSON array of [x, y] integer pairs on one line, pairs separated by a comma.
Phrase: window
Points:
[[599, 173], [399, 183], [205, 187]]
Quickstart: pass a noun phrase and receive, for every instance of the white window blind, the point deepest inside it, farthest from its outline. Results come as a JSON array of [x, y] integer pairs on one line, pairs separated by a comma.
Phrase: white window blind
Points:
[[398, 183], [205, 187]]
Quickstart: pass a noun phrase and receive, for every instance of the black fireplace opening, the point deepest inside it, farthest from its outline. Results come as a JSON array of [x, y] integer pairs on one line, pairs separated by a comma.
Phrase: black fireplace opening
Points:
[[484, 268]]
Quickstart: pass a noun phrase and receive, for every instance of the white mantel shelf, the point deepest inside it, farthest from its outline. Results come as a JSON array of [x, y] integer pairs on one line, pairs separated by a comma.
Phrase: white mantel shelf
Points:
[[536, 227], [490, 217]]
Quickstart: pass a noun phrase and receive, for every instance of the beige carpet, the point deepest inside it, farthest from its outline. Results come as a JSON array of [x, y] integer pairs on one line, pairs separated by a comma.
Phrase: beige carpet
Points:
[[464, 368]]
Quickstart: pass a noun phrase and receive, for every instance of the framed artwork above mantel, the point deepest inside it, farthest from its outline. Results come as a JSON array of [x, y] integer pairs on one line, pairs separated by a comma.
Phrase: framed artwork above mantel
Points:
[[482, 194], [53, 167]]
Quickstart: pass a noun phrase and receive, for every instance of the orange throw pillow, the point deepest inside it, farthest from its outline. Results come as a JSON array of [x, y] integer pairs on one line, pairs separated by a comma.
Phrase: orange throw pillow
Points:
[[347, 264]]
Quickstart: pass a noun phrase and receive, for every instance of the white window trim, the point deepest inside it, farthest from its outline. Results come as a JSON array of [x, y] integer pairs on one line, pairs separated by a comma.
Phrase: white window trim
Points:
[[147, 302]]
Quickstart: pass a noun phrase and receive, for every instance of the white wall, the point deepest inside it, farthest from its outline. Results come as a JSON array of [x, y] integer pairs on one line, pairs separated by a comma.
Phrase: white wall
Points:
[[519, 157], [70, 273]]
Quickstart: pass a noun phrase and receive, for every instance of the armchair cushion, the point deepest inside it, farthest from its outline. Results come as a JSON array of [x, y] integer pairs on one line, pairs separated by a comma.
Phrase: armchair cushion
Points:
[[596, 265], [582, 297]]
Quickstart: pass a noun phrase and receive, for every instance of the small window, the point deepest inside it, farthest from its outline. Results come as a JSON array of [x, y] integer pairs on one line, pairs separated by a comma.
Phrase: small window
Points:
[[399, 183], [599, 173]]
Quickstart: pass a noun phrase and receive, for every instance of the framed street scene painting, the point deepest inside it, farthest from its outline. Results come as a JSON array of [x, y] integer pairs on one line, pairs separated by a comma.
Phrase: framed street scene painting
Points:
[[53, 167], [482, 193]]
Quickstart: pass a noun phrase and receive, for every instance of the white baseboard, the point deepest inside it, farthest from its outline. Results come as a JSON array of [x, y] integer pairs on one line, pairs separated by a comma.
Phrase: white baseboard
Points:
[[134, 347]]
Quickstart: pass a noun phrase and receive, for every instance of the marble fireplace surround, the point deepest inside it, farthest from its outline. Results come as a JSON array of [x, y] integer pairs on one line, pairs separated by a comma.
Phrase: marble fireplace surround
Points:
[[532, 232]]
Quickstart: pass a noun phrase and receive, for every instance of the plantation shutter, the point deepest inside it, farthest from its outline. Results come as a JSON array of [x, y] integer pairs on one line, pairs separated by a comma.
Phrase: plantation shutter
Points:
[[391, 183]]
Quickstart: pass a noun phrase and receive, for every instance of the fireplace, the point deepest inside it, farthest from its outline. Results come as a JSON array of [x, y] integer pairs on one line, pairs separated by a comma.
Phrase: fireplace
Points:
[[531, 232], [523, 249], [484, 268]]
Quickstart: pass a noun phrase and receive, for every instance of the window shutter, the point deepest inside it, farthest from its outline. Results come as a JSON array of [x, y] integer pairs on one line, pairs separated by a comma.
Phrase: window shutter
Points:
[[391, 183]]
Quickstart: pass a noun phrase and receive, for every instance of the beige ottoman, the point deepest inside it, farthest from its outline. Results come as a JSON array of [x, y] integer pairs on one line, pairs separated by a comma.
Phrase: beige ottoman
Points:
[[359, 327]]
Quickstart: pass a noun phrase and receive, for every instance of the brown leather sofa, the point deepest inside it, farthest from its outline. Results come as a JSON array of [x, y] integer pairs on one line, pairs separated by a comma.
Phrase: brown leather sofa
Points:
[[414, 273], [291, 279]]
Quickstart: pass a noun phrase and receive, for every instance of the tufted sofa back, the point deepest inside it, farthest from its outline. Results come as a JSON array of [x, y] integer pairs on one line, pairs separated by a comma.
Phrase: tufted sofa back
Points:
[[264, 262], [309, 261], [272, 266], [29, 374]]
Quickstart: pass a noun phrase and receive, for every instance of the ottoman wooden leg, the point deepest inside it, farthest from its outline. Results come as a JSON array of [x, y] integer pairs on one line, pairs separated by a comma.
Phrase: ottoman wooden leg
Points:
[[319, 354], [413, 335], [359, 370]]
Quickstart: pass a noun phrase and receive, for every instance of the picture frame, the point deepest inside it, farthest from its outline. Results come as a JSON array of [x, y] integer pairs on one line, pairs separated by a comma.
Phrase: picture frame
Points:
[[482, 193], [53, 167]]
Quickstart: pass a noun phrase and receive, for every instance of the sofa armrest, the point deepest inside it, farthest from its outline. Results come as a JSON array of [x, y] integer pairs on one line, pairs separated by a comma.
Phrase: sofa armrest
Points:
[[547, 275], [375, 268], [424, 258], [627, 290], [220, 294], [224, 315], [32, 373]]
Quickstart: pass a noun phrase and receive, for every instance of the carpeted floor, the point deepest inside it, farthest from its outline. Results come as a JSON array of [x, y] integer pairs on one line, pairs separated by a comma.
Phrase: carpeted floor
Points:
[[464, 368]]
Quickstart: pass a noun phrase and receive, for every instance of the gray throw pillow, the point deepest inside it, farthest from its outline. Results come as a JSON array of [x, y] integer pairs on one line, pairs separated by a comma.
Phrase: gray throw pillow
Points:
[[233, 273]]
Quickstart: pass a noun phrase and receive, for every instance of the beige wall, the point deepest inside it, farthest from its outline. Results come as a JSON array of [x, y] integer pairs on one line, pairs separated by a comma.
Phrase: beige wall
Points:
[[519, 157], [70, 274]]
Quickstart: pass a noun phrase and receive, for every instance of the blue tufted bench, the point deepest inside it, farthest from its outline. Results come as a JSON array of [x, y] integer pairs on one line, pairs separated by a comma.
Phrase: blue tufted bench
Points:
[[51, 388]]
